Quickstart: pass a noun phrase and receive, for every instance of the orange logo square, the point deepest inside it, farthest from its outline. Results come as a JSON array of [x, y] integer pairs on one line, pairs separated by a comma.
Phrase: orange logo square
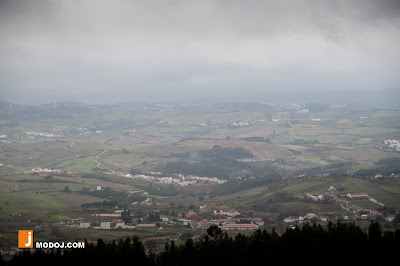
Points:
[[25, 238]]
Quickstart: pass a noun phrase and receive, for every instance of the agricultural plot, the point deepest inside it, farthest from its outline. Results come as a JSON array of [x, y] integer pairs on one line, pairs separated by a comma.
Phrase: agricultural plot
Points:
[[73, 200], [308, 156], [80, 165], [92, 183], [24, 201], [375, 190]]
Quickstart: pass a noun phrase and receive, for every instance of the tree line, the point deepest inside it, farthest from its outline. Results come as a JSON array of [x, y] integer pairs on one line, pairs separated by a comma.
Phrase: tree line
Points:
[[335, 244]]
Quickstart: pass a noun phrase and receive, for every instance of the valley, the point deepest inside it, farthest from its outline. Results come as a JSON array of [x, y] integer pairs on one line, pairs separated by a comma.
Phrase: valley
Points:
[[166, 171]]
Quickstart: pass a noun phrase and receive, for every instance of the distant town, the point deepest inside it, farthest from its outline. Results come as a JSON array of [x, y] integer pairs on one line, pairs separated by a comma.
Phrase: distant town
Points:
[[223, 217]]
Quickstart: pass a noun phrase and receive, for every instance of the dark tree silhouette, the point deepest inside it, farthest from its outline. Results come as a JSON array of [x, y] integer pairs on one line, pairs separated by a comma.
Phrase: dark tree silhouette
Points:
[[335, 244]]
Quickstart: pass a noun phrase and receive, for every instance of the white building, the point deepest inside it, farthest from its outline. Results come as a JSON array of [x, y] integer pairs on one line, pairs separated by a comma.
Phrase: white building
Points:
[[84, 225], [357, 196], [227, 212], [315, 197], [291, 219], [106, 225]]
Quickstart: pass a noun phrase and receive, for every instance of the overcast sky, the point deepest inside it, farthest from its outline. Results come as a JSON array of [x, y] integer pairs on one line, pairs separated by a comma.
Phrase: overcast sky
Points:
[[122, 51]]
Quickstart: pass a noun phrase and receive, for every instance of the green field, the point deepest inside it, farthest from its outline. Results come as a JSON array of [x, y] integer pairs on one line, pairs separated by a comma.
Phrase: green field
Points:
[[81, 165], [300, 156], [26, 201]]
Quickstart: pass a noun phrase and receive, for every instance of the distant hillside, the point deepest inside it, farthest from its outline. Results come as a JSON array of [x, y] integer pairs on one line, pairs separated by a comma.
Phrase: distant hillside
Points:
[[258, 149]]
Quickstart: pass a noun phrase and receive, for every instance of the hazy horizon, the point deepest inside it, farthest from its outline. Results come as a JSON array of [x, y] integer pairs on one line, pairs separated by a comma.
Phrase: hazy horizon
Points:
[[210, 51], [373, 99]]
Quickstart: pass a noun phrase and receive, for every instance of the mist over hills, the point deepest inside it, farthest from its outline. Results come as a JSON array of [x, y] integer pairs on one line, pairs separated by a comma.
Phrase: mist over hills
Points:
[[160, 119], [369, 97]]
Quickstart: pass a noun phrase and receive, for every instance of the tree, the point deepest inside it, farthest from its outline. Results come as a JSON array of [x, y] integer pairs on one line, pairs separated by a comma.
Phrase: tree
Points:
[[134, 171], [374, 231], [396, 220], [166, 247], [154, 217], [55, 232], [66, 189], [2, 262], [186, 235], [214, 231], [151, 243]]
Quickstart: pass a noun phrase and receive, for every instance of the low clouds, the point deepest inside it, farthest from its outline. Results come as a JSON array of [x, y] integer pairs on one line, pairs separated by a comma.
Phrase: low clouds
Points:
[[110, 51]]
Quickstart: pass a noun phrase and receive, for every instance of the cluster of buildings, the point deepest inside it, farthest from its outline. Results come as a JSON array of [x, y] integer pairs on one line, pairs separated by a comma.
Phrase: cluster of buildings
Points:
[[240, 124], [179, 180], [224, 218], [34, 135], [3, 138], [227, 212], [348, 196], [161, 107], [42, 170], [223, 223], [85, 131], [393, 143], [345, 201], [302, 111], [305, 218], [203, 179], [357, 212], [114, 224], [355, 196], [316, 197], [80, 223], [147, 201]]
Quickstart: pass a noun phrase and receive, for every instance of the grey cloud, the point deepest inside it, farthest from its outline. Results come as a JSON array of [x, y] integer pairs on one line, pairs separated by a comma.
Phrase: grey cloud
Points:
[[104, 49]]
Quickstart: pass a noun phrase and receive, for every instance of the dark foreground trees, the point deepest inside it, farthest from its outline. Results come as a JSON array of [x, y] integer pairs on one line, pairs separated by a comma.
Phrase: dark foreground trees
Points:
[[336, 244]]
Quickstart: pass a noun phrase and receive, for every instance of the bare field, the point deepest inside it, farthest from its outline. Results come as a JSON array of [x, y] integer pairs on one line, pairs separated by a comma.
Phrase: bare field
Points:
[[74, 200], [47, 154], [316, 130], [97, 182], [363, 156]]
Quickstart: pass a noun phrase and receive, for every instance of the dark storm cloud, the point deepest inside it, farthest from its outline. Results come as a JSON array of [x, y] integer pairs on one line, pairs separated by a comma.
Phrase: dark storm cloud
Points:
[[108, 51]]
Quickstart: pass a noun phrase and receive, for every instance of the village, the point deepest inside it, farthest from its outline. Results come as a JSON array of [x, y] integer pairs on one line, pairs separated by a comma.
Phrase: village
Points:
[[346, 202], [42, 170], [34, 135], [226, 218], [393, 143], [180, 179]]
